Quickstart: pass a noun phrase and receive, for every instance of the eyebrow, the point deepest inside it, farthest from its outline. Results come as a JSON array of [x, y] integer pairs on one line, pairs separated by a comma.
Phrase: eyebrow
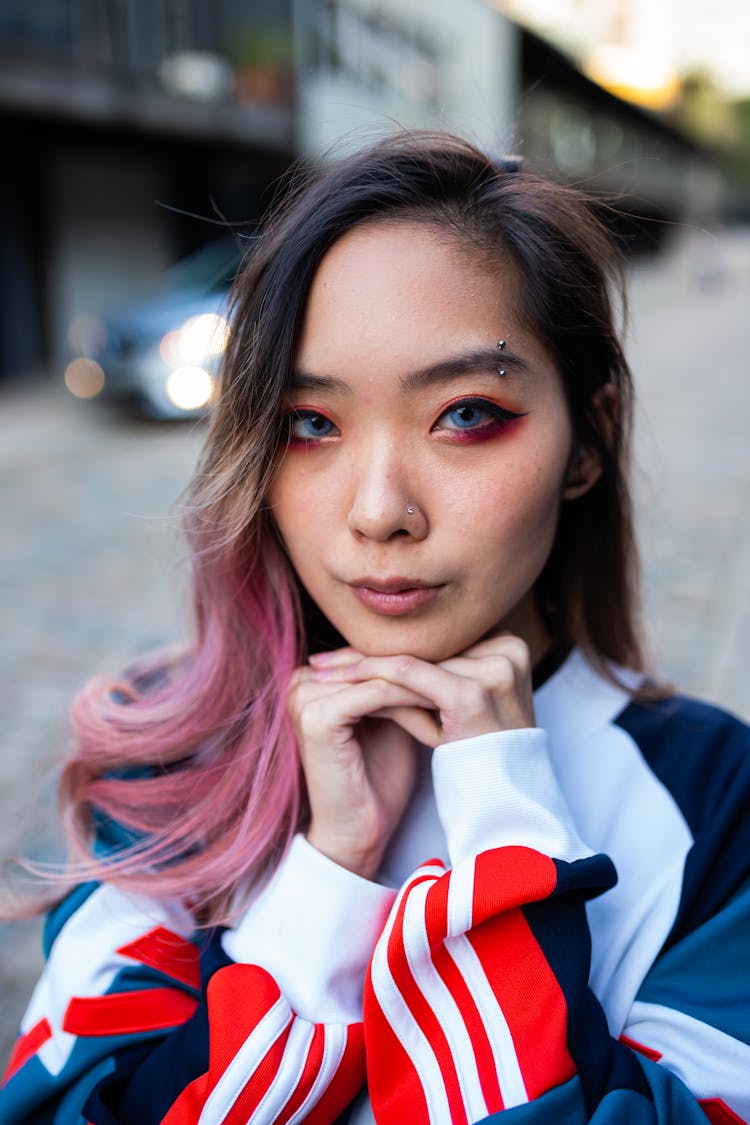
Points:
[[485, 360]]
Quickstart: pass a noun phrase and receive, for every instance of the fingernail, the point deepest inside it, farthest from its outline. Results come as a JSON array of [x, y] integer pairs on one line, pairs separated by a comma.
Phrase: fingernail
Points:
[[319, 657]]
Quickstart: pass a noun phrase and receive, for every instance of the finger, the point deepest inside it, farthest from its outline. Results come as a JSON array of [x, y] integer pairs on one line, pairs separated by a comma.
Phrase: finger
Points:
[[485, 697], [342, 706], [339, 656], [492, 670], [422, 725], [307, 676], [499, 661], [439, 688], [501, 644]]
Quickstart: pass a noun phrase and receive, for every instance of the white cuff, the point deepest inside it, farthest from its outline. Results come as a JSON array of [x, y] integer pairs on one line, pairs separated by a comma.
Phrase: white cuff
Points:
[[499, 789], [313, 928]]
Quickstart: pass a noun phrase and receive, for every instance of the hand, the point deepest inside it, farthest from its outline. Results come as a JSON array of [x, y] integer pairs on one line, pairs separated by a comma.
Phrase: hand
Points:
[[359, 764], [486, 688]]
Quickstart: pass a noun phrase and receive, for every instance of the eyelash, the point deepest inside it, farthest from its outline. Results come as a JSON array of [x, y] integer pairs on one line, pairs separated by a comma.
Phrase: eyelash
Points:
[[298, 416], [499, 420]]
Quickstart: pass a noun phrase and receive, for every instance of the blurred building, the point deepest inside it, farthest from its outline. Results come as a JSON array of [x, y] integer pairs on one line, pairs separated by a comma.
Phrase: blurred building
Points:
[[116, 118], [364, 64], [123, 120], [644, 49], [574, 129]]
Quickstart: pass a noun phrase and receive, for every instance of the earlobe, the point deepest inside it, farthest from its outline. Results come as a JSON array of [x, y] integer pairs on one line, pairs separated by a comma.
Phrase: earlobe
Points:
[[584, 470], [585, 464]]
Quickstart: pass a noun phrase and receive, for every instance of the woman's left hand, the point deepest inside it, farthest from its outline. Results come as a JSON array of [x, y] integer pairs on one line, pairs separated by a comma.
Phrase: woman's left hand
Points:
[[486, 688]]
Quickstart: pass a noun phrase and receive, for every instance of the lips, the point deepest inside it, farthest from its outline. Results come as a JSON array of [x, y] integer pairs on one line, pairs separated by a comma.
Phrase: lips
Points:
[[395, 596]]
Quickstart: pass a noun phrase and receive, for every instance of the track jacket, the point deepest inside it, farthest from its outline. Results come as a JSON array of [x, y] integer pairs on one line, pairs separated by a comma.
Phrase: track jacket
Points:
[[560, 933]]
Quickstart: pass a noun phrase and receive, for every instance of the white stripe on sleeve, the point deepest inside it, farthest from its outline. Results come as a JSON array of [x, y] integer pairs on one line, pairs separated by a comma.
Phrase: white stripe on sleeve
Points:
[[511, 1081], [711, 1063], [234, 1079], [334, 1046], [442, 1003], [402, 1022]]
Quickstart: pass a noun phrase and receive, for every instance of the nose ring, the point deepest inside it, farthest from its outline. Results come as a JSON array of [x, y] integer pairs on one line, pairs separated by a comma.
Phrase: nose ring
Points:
[[410, 511]]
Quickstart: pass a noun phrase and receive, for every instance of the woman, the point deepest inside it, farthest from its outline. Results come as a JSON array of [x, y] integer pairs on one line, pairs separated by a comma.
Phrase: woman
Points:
[[408, 813]]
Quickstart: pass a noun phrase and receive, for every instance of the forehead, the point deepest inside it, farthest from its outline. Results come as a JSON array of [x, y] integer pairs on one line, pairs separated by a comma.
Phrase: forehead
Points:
[[408, 285]]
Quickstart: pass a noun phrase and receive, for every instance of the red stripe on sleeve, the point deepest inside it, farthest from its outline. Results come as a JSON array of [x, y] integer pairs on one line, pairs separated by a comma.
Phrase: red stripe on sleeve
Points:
[[169, 953], [257, 1085], [122, 1013], [531, 998], [508, 877], [474, 1024], [26, 1046], [393, 1083], [634, 1045], [309, 1073], [718, 1112], [347, 1081], [436, 919], [238, 997], [436, 910], [423, 1013]]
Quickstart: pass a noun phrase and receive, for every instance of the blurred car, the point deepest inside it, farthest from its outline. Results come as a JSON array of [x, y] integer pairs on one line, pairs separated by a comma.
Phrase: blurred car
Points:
[[161, 354]]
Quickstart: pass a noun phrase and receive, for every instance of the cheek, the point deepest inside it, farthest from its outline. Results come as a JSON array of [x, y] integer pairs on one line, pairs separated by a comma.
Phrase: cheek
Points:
[[292, 513], [513, 511]]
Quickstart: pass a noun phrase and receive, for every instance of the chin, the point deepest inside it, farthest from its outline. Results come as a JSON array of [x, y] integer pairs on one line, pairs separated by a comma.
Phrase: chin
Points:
[[433, 648]]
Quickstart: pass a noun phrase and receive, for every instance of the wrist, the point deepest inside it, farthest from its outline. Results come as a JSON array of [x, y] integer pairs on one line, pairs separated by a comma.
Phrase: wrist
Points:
[[361, 858]]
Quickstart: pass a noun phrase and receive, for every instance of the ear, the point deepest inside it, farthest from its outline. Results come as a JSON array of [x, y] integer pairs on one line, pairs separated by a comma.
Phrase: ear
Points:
[[585, 466]]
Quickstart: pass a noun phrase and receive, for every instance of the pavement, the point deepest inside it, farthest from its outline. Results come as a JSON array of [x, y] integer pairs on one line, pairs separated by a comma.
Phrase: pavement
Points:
[[90, 570]]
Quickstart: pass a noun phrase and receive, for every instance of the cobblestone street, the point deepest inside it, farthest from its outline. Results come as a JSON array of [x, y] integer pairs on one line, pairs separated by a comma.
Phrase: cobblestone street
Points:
[[89, 545]]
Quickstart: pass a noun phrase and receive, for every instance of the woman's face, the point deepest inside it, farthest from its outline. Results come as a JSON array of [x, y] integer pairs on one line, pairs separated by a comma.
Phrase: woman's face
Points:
[[419, 496]]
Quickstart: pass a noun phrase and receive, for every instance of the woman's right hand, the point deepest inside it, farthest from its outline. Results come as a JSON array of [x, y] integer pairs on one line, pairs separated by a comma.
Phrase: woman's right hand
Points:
[[359, 767]]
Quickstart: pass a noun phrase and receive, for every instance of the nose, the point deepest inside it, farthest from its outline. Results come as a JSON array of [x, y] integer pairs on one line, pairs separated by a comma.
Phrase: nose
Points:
[[384, 504]]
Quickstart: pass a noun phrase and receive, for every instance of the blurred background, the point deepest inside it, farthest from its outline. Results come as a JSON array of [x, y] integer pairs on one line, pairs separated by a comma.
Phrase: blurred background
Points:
[[136, 133]]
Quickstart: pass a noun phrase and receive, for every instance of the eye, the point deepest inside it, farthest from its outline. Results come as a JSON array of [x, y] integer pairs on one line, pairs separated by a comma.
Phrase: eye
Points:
[[309, 426], [474, 414], [465, 416]]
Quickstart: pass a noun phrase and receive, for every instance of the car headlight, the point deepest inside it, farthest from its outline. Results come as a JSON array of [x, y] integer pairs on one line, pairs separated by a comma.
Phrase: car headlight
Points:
[[189, 388], [199, 339]]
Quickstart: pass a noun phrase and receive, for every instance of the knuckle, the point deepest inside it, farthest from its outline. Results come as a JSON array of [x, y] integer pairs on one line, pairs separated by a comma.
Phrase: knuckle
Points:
[[505, 674], [311, 715], [476, 695], [404, 665], [520, 654]]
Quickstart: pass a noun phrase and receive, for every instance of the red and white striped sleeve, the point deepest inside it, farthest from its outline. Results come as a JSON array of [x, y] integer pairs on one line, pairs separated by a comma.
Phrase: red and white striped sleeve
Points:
[[285, 1018], [464, 1014], [477, 997], [138, 1020]]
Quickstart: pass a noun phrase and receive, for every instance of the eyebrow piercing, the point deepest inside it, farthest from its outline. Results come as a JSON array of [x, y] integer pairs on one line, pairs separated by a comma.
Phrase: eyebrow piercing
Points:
[[501, 372], [501, 344]]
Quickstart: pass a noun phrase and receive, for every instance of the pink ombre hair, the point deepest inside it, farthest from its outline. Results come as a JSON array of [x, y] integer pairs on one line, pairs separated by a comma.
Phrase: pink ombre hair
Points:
[[193, 756]]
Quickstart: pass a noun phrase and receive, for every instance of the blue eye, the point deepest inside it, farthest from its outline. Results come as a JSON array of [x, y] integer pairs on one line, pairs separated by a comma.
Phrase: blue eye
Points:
[[308, 425], [474, 419], [467, 416]]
